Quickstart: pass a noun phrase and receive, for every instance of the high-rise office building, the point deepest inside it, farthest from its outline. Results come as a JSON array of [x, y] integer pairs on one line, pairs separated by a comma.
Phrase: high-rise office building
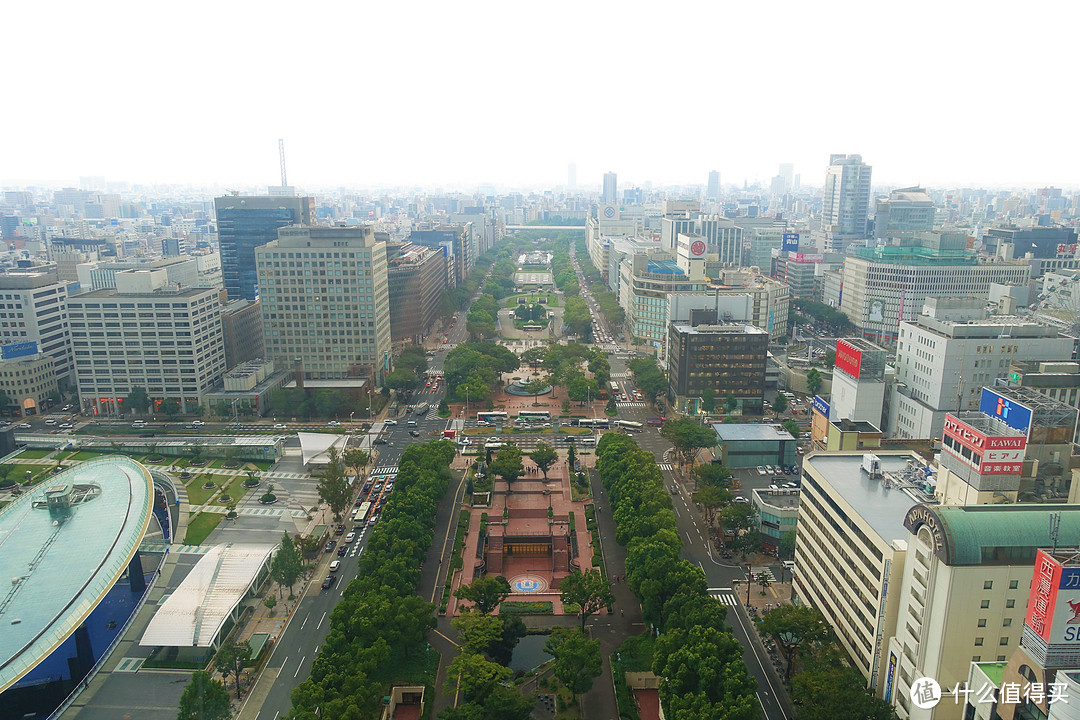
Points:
[[713, 190], [335, 320], [416, 278], [907, 210], [787, 171], [571, 176], [36, 310], [610, 188], [246, 222], [846, 199], [164, 338], [727, 359]]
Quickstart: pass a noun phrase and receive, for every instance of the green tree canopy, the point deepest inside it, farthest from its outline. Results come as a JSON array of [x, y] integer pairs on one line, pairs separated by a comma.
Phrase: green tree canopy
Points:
[[688, 437], [544, 456], [708, 400], [286, 567], [204, 698], [231, 659], [333, 487], [779, 403], [588, 590], [577, 659], [136, 401], [485, 592], [507, 463], [813, 380]]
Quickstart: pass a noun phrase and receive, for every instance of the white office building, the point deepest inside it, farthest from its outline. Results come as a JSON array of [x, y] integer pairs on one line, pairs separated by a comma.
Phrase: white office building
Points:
[[150, 334], [950, 352], [846, 199], [34, 308]]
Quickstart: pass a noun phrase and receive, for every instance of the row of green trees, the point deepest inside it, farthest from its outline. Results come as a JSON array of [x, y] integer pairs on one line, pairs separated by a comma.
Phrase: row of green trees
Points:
[[606, 300], [567, 364], [648, 377], [380, 622], [699, 660]]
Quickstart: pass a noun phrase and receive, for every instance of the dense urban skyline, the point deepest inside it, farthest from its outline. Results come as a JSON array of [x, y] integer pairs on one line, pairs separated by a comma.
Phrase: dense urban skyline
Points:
[[375, 96]]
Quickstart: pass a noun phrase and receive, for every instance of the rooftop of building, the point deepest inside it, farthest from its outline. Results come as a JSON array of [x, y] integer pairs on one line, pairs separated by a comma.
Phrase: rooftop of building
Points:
[[783, 498], [726, 329], [167, 291], [1006, 534], [910, 195], [906, 255], [882, 505], [859, 426], [988, 424], [238, 305], [750, 431], [862, 344], [61, 563]]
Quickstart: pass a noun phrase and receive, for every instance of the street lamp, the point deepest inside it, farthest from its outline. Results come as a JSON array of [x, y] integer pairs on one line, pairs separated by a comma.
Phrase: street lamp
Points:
[[749, 581]]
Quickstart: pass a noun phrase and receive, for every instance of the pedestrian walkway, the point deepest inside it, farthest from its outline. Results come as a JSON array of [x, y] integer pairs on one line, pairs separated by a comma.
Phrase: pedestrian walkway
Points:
[[631, 404], [666, 466], [433, 413], [161, 546], [261, 511], [284, 476], [766, 571], [724, 595], [388, 470]]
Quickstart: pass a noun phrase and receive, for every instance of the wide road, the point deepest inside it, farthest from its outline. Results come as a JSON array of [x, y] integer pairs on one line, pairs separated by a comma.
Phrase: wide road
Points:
[[291, 662]]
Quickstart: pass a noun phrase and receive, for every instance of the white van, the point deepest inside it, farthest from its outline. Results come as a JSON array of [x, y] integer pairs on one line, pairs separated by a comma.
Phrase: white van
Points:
[[588, 441]]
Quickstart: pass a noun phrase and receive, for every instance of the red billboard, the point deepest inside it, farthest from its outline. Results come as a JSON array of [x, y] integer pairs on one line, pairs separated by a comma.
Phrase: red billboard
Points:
[[992, 455], [1043, 597], [848, 358]]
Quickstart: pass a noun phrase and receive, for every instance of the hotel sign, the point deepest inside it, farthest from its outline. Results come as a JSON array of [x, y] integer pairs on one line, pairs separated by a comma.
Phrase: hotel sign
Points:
[[924, 516]]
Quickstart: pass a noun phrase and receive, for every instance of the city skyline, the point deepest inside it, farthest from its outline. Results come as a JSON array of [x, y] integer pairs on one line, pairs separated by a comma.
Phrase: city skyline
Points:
[[371, 96]]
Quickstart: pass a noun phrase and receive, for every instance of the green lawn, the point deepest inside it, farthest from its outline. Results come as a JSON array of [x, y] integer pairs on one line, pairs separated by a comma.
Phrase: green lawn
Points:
[[35, 453], [84, 455], [234, 489], [526, 608], [263, 465], [197, 495], [200, 527], [18, 472]]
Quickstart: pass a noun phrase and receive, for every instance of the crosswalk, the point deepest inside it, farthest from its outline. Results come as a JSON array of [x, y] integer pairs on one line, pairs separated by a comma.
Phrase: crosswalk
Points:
[[724, 595], [388, 470], [283, 476], [619, 375], [766, 571], [666, 466], [631, 404], [433, 413]]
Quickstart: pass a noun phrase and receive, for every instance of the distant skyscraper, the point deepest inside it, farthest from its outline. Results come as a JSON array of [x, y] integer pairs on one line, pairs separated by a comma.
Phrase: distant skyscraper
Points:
[[245, 223], [571, 176], [713, 191], [847, 196], [787, 171], [610, 188]]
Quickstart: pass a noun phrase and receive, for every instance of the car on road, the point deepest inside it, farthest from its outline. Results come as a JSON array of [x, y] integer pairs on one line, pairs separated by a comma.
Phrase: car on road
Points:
[[339, 529], [24, 426], [335, 566], [379, 441], [330, 545], [414, 433], [391, 422], [374, 519], [279, 426], [328, 582], [66, 426], [493, 439], [342, 549], [333, 423], [741, 499], [50, 421], [197, 423], [349, 538]]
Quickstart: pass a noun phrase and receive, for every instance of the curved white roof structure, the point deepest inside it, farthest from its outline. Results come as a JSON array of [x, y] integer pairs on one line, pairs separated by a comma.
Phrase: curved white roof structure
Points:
[[314, 447], [63, 545], [194, 614]]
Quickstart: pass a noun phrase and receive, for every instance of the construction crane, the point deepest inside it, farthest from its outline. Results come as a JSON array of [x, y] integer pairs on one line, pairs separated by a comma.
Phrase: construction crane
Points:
[[281, 155]]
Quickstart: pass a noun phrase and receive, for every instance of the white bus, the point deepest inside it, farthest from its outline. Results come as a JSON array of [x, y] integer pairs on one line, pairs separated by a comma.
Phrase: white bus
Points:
[[492, 416], [534, 415], [361, 514], [594, 422]]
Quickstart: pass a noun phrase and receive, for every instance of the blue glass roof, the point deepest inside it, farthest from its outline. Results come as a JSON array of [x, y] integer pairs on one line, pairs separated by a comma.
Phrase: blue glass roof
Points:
[[58, 562], [665, 267]]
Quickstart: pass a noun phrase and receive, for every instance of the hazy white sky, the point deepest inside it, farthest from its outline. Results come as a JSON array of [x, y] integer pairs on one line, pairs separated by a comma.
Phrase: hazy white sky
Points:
[[370, 93]]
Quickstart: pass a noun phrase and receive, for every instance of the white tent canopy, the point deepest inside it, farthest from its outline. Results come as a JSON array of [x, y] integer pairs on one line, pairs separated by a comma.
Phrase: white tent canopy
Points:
[[195, 613], [314, 447]]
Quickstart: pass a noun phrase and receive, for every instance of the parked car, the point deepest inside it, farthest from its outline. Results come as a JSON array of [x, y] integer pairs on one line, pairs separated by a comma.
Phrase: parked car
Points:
[[330, 545]]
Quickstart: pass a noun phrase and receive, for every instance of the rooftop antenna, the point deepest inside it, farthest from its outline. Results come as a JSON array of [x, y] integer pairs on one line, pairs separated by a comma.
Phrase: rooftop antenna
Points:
[[281, 155], [1055, 527]]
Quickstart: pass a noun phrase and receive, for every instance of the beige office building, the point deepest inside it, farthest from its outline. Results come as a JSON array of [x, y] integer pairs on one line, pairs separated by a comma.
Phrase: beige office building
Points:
[[325, 302], [851, 546]]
